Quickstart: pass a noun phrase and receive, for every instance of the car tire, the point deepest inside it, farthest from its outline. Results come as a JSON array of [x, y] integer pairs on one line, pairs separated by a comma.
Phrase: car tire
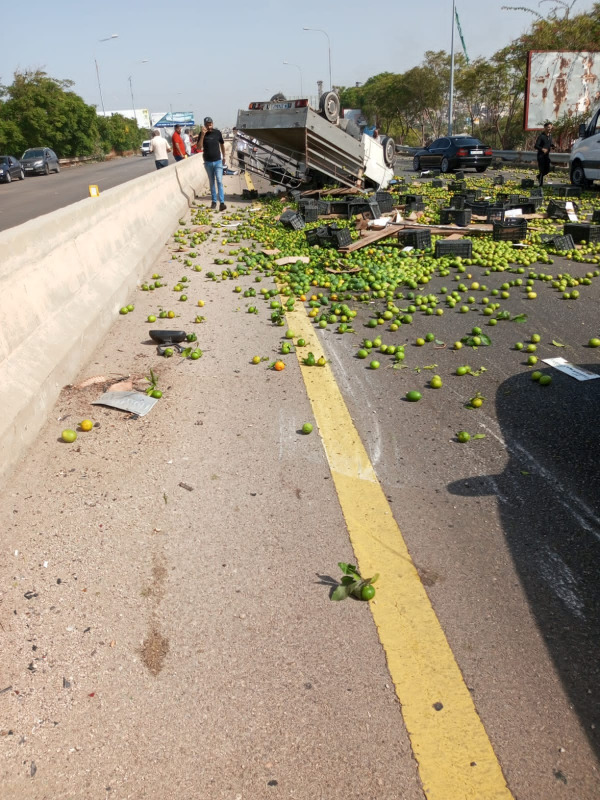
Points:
[[481, 169], [329, 106], [417, 164], [389, 150], [47, 169], [444, 165], [22, 175], [8, 178], [578, 175], [57, 170]]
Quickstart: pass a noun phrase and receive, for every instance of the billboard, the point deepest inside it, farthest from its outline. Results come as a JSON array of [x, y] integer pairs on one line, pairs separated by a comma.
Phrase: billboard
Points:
[[183, 118], [558, 83]]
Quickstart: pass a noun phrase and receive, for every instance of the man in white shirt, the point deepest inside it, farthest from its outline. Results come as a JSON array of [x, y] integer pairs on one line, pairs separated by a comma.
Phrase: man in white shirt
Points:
[[161, 149], [187, 142]]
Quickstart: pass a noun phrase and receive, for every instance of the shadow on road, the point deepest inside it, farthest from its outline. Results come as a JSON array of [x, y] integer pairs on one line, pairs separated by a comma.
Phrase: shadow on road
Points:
[[549, 501]]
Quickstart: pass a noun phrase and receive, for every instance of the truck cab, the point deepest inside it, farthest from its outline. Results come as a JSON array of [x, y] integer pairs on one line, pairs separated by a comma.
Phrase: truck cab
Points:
[[584, 161]]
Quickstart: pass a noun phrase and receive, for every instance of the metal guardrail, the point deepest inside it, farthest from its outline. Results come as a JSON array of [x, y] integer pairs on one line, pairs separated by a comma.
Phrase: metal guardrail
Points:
[[527, 156]]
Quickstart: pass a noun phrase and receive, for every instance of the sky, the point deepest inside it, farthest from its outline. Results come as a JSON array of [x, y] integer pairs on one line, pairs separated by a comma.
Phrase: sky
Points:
[[214, 58]]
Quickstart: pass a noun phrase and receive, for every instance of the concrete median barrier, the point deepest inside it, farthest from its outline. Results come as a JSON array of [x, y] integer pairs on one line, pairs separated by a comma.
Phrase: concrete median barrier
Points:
[[63, 278]]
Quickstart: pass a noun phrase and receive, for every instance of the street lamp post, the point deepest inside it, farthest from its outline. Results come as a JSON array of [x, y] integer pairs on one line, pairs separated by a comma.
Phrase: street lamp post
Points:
[[320, 30], [289, 64], [107, 39], [144, 61], [451, 103]]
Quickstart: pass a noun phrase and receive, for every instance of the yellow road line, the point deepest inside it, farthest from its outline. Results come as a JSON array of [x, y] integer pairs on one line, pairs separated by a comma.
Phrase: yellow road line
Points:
[[455, 757], [249, 183]]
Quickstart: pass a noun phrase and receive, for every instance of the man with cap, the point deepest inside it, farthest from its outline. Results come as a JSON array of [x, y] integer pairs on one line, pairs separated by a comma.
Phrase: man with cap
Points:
[[178, 145], [213, 147]]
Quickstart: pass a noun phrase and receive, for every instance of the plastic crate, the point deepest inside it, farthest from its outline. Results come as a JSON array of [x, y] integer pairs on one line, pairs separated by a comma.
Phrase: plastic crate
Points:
[[310, 213], [527, 183], [567, 191], [596, 215], [307, 202], [295, 221], [477, 207], [385, 202], [511, 230], [459, 175], [413, 198], [437, 183], [561, 242], [582, 231], [415, 207], [379, 196], [458, 247], [295, 195], [537, 191], [287, 215], [459, 186], [557, 209], [499, 180], [413, 237], [324, 207], [494, 214], [458, 201], [342, 238], [456, 216], [473, 194], [312, 236], [339, 207]]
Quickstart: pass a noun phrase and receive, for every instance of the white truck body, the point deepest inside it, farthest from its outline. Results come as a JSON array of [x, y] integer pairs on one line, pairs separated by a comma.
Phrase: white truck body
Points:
[[298, 141], [584, 161]]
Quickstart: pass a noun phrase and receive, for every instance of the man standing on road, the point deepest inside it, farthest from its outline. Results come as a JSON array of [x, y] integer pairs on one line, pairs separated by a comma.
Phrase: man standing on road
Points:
[[187, 142], [543, 145], [161, 149], [213, 147], [178, 145]]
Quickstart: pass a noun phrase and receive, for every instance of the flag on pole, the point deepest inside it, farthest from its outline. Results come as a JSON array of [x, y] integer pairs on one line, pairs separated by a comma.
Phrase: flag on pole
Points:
[[460, 33]]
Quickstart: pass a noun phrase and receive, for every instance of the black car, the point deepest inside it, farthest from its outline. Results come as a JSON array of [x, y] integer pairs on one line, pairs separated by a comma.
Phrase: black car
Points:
[[39, 161], [10, 168], [453, 152]]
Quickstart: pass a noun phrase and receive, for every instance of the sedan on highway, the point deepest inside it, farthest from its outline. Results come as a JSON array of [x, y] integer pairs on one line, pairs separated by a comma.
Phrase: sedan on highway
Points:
[[453, 152], [39, 161], [10, 169]]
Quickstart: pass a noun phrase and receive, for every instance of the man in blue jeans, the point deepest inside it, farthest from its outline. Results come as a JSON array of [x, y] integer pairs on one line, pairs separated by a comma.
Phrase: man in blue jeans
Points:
[[213, 147]]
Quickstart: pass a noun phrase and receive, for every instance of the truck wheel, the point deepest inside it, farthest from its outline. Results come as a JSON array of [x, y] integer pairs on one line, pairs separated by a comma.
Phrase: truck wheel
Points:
[[417, 164], [578, 175], [329, 106], [389, 150]]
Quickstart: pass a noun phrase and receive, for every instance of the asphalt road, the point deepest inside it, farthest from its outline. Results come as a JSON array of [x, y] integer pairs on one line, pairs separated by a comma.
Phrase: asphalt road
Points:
[[129, 597], [41, 194]]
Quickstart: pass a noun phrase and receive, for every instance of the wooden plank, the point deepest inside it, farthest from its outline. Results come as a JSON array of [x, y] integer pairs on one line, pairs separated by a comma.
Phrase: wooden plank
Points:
[[374, 236]]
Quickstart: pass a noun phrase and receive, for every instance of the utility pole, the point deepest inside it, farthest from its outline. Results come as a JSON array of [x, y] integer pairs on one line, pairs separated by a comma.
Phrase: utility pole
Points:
[[451, 103]]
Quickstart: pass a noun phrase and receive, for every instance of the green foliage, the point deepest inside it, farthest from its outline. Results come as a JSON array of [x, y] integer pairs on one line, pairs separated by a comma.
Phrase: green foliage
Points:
[[38, 110]]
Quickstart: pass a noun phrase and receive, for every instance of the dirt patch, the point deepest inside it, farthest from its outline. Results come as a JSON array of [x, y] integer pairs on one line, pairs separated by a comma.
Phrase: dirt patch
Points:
[[154, 651]]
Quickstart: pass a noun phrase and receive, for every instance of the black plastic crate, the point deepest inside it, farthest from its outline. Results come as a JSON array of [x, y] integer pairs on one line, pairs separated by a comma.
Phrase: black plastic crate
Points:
[[413, 237], [459, 185], [313, 237], [537, 191], [385, 202], [557, 209], [413, 198], [561, 242], [458, 247], [459, 175], [458, 201], [324, 207], [295, 195], [582, 231], [341, 238], [596, 215], [415, 207], [494, 214], [499, 180], [567, 191], [339, 207], [310, 213], [527, 183], [437, 183], [473, 194], [511, 230], [287, 215], [293, 221], [478, 207], [456, 216]]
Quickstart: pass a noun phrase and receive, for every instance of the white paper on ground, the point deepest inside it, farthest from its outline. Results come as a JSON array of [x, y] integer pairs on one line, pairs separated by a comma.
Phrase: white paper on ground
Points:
[[579, 373], [134, 402], [514, 212]]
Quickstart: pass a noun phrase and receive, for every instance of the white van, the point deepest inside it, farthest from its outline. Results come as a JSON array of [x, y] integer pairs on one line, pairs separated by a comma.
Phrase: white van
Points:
[[146, 147], [584, 161]]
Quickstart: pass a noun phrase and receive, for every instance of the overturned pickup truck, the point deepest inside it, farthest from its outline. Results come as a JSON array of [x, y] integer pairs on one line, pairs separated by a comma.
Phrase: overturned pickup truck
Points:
[[291, 144]]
